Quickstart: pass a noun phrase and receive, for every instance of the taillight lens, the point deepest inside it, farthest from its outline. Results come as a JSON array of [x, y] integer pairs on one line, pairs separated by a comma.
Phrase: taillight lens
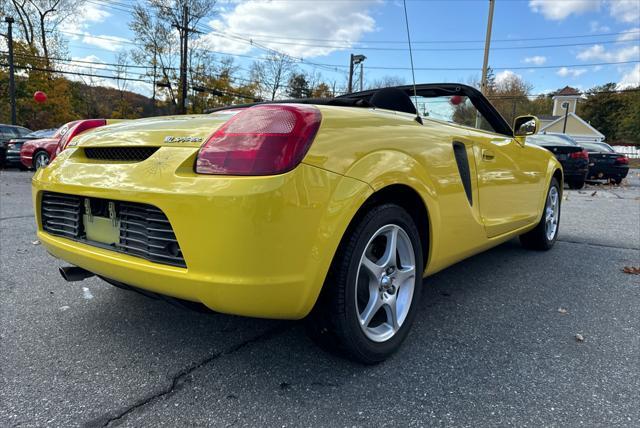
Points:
[[623, 160], [580, 155], [76, 129], [261, 140]]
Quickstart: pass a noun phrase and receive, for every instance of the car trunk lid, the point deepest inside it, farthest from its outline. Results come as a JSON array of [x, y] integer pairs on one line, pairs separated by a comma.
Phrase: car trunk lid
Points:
[[170, 131]]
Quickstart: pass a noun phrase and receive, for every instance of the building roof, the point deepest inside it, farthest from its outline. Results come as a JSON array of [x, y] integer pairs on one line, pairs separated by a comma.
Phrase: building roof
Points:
[[568, 90], [547, 117]]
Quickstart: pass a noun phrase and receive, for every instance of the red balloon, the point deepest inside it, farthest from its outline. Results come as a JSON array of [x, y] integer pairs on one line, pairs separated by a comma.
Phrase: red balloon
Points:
[[39, 97], [455, 100]]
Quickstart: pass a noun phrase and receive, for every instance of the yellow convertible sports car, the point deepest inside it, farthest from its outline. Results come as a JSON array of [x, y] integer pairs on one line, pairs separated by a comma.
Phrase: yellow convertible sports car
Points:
[[330, 209]]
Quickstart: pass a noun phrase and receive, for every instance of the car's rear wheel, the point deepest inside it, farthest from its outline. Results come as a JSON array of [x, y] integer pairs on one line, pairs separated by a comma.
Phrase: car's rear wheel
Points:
[[546, 232], [40, 160], [576, 184], [370, 295]]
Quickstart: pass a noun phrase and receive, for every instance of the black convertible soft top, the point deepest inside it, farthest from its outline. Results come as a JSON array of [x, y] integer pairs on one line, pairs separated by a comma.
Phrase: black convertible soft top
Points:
[[398, 98]]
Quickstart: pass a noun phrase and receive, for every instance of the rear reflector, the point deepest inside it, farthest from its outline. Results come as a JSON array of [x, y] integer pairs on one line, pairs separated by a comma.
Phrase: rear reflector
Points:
[[78, 128], [261, 140]]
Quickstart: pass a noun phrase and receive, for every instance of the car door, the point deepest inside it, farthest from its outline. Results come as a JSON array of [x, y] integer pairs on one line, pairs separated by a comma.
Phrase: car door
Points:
[[510, 180]]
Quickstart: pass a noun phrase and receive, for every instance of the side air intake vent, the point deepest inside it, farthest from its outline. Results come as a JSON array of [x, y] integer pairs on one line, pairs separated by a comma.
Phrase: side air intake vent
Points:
[[460, 152], [120, 154]]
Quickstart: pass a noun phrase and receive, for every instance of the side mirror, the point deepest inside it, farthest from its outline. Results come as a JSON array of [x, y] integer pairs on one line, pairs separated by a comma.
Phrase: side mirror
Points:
[[525, 125]]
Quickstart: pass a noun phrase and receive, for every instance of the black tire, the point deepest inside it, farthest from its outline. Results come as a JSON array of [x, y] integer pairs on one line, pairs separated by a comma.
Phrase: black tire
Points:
[[334, 321], [537, 238], [575, 184], [616, 181], [39, 159]]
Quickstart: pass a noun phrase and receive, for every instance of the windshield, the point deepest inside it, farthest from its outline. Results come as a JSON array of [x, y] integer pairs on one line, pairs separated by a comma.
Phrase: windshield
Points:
[[597, 147], [43, 133]]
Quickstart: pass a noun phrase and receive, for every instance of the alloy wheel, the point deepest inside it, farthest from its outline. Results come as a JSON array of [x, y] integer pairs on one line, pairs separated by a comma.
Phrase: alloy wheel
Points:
[[551, 213], [385, 283]]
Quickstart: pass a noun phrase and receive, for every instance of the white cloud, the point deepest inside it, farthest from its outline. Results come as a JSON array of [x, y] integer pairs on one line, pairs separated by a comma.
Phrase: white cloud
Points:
[[625, 10], [84, 17], [506, 75], [558, 10], [537, 60], [599, 53], [597, 28], [111, 43], [294, 22], [572, 72], [630, 79], [630, 34]]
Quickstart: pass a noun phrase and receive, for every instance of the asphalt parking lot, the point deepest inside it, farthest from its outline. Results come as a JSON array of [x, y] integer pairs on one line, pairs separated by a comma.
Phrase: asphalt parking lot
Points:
[[489, 346]]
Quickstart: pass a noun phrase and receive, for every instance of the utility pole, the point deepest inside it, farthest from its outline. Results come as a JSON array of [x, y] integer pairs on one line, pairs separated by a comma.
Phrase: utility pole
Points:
[[12, 82], [566, 116], [184, 30], [361, 75], [485, 62], [487, 45], [183, 69]]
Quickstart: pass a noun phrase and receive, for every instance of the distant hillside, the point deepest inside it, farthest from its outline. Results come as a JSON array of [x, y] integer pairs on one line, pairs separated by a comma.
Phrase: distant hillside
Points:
[[103, 102]]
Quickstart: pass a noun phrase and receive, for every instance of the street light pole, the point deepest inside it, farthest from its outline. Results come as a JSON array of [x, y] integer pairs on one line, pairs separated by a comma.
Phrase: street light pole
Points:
[[12, 82], [566, 115], [350, 86], [355, 60]]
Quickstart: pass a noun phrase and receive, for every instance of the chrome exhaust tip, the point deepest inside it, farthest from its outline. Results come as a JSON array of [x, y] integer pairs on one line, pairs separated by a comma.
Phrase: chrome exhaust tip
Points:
[[75, 273]]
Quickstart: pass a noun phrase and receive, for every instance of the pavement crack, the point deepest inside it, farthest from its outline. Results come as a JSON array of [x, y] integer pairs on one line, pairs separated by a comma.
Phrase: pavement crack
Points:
[[16, 216], [592, 244], [179, 379]]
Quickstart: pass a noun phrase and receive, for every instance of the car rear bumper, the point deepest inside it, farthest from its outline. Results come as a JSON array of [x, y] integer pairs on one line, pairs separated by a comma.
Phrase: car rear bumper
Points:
[[254, 246], [607, 171]]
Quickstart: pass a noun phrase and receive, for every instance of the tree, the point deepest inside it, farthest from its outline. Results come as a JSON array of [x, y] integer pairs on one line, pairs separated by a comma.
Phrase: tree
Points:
[[322, 90], [272, 73], [615, 114], [39, 24], [386, 82], [298, 86], [160, 35]]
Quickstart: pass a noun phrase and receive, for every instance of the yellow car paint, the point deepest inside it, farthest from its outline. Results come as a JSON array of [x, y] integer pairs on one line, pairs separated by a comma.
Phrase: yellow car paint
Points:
[[262, 246]]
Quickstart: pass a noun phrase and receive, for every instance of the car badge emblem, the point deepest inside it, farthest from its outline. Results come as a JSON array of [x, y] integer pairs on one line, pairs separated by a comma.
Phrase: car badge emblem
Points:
[[172, 139]]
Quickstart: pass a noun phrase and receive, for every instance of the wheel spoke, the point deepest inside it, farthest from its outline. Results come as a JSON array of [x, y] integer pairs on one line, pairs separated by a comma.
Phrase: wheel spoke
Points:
[[391, 309], [372, 307], [389, 256], [404, 274], [373, 269]]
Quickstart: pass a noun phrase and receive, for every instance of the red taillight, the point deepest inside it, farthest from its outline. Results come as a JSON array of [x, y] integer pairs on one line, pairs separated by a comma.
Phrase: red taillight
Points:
[[579, 155], [76, 129], [261, 140], [622, 160]]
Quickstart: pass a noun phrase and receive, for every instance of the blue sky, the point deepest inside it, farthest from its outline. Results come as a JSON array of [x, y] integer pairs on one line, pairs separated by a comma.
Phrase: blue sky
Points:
[[446, 35]]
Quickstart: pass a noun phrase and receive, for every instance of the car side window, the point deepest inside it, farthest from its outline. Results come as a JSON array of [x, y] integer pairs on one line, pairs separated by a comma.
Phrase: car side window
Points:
[[453, 108]]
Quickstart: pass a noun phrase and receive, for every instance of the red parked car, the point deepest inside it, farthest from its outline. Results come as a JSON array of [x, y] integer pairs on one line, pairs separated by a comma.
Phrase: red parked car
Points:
[[38, 153]]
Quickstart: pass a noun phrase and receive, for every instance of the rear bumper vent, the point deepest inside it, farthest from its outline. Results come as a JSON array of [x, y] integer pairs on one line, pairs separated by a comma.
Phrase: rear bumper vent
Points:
[[144, 230], [120, 154], [61, 214]]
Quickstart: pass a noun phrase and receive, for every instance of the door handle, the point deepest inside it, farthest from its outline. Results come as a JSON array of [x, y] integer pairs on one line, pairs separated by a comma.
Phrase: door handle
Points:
[[487, 155]]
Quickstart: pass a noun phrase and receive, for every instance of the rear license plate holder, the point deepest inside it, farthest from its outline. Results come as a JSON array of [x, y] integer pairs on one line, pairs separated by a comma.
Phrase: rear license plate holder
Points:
[[102, 229]]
